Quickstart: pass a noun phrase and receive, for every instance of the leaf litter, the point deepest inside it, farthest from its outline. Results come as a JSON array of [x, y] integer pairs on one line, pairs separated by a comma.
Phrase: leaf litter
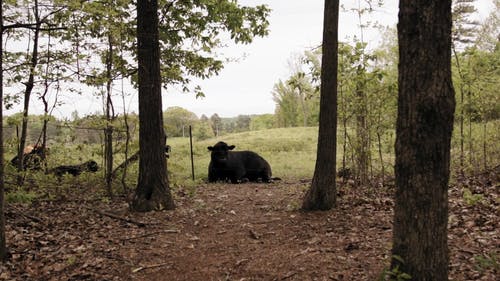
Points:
[[241, 232]]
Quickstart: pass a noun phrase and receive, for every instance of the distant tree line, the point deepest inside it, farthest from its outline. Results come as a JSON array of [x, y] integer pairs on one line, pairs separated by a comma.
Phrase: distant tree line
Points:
[[178, 120]]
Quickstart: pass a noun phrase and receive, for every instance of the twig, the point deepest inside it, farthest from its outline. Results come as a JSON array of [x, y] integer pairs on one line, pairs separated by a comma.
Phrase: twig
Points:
[[151, 234], [288, 275], [149, 267], [267, 221], [18, 212], [238, 263], [125, 163], [139, 224], [254, 235]]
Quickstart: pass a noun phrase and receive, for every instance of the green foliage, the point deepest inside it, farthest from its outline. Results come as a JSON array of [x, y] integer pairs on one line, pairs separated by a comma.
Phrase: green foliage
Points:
[[190, 31], [480, 72], [239, 123], [215, 123], [297, 99], [395, 273], [485, 262], [71, 260], [177, 121], [104, 48], [290, 151], [367, 96], [287, 105], [243, 123], [261, 122], [50, 67], [76, 142], [20, 196], [481, 147], [203, 131], [471, 199]]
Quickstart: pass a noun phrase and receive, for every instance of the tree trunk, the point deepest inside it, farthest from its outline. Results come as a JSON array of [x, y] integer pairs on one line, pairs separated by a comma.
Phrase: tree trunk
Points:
[[344, 129], [305, 113], [322, 194], [471, 140], [362, 141], [108, 133], [127, 144], [380, 155], [27, 94], [485, 155], [46, 112], [426, 105], [108, 158], [461, 117], [152, 192], [3, 247]]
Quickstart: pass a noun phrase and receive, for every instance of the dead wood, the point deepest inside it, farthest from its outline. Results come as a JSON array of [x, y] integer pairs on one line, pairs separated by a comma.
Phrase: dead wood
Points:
[[114, 216], [150, 266], [125, 163], [151, 234]]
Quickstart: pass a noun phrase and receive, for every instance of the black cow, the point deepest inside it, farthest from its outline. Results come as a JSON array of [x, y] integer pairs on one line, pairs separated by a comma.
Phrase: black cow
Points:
[[32, 158], [237, 166], [75, 170]]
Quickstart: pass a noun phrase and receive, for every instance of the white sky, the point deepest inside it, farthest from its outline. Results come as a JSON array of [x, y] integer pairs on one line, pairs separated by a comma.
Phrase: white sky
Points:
[[244, 87]]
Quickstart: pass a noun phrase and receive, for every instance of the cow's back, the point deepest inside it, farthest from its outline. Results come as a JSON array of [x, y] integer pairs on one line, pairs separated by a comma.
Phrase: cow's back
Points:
[[255, 165]]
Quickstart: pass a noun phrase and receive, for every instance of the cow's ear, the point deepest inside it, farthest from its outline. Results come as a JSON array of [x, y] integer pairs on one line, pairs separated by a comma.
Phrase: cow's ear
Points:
[[231, 147], [210, 148]]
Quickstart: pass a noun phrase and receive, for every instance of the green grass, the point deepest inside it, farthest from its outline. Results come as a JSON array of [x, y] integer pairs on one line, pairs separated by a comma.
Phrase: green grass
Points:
[[291, 153], [481, 146], [20, 196]]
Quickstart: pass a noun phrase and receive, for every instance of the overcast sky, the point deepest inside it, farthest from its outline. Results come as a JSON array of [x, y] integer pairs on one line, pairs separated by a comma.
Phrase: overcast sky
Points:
[[244, 87]]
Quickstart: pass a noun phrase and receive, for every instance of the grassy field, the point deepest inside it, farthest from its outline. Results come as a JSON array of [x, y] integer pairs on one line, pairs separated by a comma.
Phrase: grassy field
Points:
[[291, 153]]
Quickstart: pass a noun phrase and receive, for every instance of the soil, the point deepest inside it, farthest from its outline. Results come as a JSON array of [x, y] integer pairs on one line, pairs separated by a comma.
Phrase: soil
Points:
[[239, 232]]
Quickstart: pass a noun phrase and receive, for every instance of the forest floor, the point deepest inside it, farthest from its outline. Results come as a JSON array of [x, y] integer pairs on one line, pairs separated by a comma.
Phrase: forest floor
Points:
[[240, 232]]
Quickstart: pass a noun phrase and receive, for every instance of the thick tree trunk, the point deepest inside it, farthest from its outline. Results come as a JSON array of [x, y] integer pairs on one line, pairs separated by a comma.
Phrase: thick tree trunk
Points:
[[152, 191], [426, 106], [3, 247], [322, 194]]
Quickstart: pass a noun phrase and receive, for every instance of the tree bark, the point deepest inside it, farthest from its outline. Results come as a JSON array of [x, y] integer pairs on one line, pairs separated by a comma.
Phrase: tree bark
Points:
[[461, 117], [152, 192], [362, 138], [426, 105], [3, 247], [322, 194], [110, 115], [27, 93]]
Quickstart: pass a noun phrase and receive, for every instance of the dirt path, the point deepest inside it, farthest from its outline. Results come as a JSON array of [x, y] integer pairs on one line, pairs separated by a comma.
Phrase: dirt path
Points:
[[255, 232], [233, 232]]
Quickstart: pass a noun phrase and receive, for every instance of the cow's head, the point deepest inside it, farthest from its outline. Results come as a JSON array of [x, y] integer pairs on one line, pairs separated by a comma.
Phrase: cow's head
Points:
[[92, 166], [220, 151]]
